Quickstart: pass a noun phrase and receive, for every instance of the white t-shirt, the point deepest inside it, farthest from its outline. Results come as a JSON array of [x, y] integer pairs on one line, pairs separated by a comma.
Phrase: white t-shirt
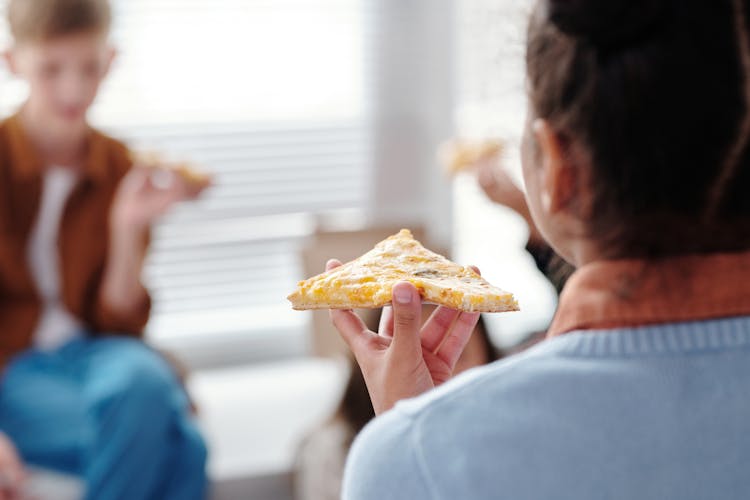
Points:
[[56, 325]]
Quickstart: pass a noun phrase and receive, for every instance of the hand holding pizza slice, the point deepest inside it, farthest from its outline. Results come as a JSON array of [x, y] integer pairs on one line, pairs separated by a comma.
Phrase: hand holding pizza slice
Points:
[[403, 359]]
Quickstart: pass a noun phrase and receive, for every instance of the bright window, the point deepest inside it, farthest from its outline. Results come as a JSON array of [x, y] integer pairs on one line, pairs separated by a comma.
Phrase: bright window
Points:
[[270, 96], [491, 99]]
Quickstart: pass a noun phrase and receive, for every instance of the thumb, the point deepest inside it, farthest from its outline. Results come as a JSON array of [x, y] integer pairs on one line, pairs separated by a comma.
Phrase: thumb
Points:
[[407, 312]]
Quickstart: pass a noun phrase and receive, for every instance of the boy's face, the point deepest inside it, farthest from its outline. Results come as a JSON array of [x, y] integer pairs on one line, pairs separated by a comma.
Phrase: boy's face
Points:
[[63, 74]]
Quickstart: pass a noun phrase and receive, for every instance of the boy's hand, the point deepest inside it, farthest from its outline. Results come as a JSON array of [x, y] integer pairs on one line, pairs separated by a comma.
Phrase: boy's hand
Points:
[[145, 194], [402, 360], [12, 475]]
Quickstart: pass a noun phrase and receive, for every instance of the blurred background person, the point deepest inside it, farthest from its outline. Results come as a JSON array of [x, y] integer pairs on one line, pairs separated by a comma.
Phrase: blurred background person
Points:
[[80, 392]]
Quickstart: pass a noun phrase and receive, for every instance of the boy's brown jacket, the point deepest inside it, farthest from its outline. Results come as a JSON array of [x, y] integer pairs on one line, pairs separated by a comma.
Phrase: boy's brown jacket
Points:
[[82, 244]]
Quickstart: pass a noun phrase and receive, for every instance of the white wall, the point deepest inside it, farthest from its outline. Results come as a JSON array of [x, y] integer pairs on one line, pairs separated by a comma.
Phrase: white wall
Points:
[[413, 113]]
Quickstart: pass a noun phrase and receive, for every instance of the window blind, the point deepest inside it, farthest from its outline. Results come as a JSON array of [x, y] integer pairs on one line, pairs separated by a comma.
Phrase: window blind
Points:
[[271, 97]]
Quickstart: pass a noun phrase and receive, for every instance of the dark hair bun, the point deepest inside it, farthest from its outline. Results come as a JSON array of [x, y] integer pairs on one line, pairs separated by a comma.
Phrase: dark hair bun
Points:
[[607, 22]]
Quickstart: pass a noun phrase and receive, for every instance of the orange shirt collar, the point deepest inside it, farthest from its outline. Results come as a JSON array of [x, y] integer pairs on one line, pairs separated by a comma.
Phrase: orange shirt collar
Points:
[[628, 293], [25, 161]]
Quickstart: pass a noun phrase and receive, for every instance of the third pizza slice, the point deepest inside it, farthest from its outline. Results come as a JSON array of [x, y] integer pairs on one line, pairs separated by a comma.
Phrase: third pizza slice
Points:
[[367, 282], [459, 155]]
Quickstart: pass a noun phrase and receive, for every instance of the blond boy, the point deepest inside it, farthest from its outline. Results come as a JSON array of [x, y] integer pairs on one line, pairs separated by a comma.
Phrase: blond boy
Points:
[[80, 393]]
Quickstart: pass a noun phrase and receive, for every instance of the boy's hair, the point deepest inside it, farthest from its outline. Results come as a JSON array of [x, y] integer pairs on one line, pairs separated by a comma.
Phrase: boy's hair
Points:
[[39, 20], [657, 95]]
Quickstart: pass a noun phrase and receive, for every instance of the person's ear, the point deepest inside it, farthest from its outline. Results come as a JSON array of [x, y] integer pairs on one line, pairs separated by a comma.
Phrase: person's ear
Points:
[[9, 57], [559, 182]]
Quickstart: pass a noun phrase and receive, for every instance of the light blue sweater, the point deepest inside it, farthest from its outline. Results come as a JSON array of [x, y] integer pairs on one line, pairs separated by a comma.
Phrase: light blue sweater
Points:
[[646, 413]]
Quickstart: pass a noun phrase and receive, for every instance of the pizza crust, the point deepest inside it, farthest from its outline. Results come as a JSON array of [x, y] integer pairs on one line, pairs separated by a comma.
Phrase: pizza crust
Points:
[[368, 281]]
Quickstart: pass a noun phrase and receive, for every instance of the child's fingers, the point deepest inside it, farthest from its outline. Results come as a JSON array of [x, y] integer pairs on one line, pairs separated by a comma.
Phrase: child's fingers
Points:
[[455, 343], [332, 264], [161, 201], [385, 329], [137, 178], [437, 327], [353, 330], [407, 318]]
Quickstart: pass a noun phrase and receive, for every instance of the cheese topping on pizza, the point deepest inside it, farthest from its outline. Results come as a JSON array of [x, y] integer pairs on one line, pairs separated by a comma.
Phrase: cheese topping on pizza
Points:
[[367, 282]]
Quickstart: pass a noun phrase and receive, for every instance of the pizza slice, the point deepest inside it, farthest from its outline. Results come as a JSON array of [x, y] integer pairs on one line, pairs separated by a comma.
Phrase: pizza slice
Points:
[[459, 155], [196, 180], [367, 282], [192, 176]]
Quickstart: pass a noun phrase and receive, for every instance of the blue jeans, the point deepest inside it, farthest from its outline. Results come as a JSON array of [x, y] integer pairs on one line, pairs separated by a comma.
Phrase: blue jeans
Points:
[[109, 410]]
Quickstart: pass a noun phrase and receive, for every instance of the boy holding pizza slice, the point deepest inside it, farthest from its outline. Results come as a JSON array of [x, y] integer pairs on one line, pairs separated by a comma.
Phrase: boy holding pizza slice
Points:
[[80, 392]]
